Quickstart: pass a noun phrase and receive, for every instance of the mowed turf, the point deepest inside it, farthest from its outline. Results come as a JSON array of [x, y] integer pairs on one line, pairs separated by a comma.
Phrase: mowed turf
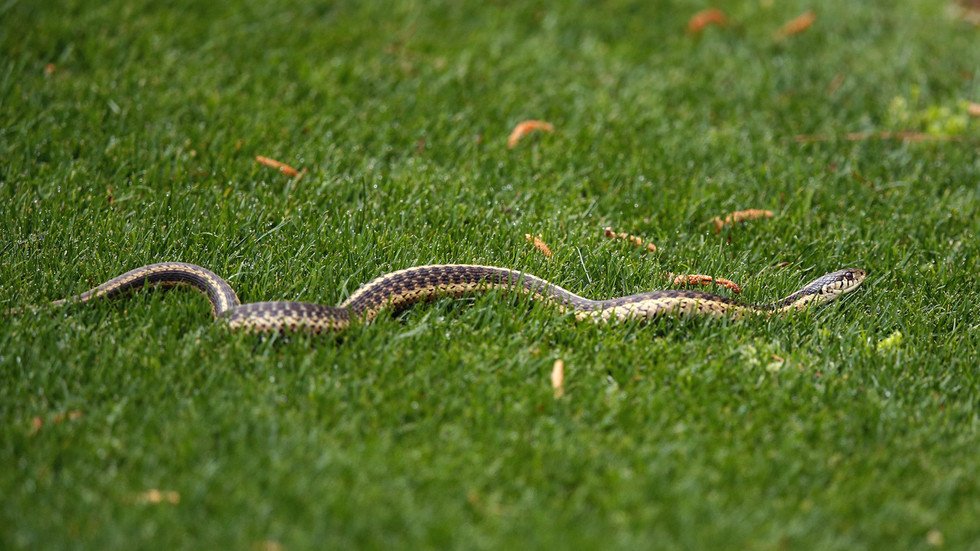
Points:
[[128, 135]]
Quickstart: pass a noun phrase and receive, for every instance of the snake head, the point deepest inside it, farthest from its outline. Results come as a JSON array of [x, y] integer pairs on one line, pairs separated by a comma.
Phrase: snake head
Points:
[[823, 289], [828, 287]]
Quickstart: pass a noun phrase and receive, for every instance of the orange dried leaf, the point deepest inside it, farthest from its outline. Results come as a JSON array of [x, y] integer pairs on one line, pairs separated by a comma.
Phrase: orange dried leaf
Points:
[[698, 279], [558, 378], [729, 284], [159, 496], [633, 239], [539, 244], [36, 424], [50, 69], [710, 16], [691, 279], [526, 127], [281, 167], [973, 109], [740, 216], [797, 24]]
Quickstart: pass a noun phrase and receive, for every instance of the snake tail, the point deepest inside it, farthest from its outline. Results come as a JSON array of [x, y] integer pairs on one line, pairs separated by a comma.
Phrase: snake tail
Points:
[[220, 294]]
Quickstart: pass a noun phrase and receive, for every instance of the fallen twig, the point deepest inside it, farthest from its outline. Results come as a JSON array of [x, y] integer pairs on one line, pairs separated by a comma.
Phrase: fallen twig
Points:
[[281, 167], [797, 24], [710, 16], [526, 127]]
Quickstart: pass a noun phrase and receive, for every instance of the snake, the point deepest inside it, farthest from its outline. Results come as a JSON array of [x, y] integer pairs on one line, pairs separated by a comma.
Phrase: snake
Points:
[[397, 290]]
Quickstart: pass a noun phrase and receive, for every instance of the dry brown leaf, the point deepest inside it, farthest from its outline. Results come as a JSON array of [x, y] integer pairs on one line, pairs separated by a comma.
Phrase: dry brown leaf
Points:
[[797, 24], [159, 496], [740, 216], [268, 545], [281, 167], [710, 16], [698, 279], [973, 109], [539, 244], [835, 84], [904, 136], [558, 378], [37, 423], [634, 240], [967, 10], [526, 127], [50, 69], [71, 416]]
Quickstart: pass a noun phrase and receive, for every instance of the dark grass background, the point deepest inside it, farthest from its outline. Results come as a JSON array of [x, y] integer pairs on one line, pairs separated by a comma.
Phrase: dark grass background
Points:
[[438, 428]]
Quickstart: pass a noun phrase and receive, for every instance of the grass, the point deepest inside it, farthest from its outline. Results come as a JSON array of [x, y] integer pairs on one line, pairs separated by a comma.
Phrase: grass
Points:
[[438, 428]]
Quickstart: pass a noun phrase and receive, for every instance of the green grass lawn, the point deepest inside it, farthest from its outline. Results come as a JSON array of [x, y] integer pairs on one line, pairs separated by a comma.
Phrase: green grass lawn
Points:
[[438, 427]]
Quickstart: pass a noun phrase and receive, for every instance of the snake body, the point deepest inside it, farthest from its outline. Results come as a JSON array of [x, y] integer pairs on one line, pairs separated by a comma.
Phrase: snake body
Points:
[[398, 290]]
